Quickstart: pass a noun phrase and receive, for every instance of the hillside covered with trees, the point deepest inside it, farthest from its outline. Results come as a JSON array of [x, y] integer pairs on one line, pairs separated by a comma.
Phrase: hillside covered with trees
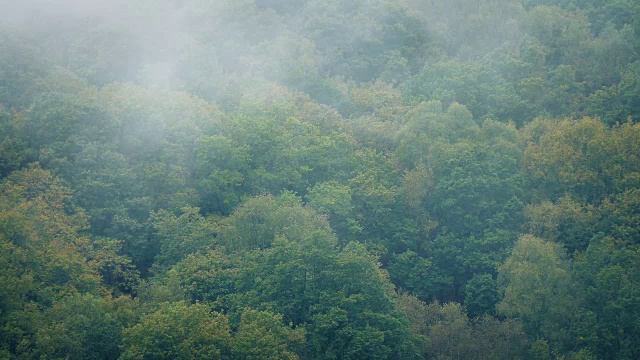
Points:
[[320, 179]]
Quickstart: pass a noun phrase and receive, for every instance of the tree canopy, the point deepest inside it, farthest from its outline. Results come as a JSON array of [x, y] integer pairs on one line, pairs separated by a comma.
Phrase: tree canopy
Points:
[[320, 179]]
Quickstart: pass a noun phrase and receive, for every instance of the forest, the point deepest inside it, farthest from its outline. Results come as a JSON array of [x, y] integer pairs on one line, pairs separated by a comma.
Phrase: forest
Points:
[[320, 179]]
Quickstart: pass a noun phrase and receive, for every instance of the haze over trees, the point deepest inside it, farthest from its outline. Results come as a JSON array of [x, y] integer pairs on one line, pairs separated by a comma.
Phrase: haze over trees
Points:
[[320, 179]]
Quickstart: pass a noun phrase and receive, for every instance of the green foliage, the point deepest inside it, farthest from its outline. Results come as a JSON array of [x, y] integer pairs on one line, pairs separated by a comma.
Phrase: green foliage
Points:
[[261, 220], [49, 250], [619, 217], [608, 271], [467, 194], [536, 281], [181, 235], [256, 178], [205, 277], [618, 103], [20, 69], [413, 273], [583, 158], [342, 298], [52, 270], [557, 30], [451, 334], [334, 200], [473, 84], [481, 295], [221, 167], [566, 221], [261, 335], [79, 326], [178, 331]]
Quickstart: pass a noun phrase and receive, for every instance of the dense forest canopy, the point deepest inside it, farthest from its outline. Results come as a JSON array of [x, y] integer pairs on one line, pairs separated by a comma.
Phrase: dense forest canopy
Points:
[[320, 179]]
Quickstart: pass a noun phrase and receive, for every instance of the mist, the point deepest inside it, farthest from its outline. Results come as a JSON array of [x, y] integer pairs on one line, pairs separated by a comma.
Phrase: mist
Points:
[[195, 46]]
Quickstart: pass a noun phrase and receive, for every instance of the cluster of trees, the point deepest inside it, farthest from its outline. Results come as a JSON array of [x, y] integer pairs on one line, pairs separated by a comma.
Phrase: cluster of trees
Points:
[[320, 179]]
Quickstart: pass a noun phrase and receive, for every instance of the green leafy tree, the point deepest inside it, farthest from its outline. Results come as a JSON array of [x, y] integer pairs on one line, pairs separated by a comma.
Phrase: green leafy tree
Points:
[[178, 331], [262, 335], [449, 333], [282, 257], [179, 236], [221, 169], [79, 326], [334, 200], [567, 222], [260, 220], [570, 157], [14, 149], [481, 295], [608, 273], [536, 280], [22, 67], [45, 256]]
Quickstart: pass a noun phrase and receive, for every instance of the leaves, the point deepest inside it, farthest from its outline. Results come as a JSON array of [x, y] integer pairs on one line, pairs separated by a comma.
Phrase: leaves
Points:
[[178, 331]]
